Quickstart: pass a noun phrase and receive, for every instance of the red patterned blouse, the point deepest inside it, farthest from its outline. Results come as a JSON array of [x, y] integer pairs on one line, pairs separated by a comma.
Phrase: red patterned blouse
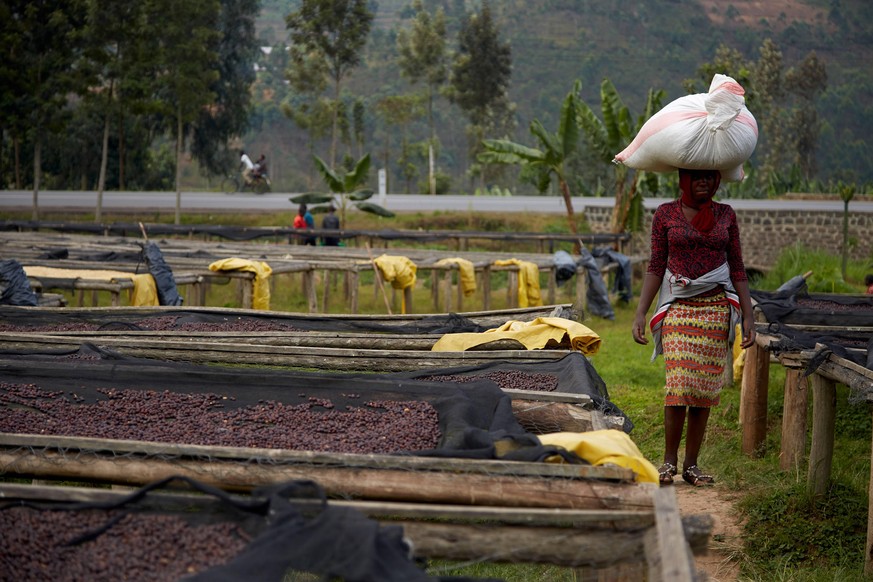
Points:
[[685, 251]]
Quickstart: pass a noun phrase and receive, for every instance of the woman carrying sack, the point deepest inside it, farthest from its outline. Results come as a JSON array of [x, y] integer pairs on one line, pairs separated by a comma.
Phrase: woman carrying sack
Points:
[[696, 270]]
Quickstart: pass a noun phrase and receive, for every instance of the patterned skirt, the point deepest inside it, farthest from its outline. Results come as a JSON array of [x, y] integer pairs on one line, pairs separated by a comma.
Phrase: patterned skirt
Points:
[[695, 339]]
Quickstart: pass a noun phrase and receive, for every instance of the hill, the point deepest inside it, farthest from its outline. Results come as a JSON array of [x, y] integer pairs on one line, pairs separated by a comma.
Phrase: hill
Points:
[[653, 44]]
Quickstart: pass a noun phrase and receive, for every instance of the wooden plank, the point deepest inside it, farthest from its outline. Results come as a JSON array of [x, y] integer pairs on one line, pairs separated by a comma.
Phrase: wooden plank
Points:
[[343, 359], [532, 516], [794, 413], [667, 552], [821, 453], [311, 458], [347, 482]]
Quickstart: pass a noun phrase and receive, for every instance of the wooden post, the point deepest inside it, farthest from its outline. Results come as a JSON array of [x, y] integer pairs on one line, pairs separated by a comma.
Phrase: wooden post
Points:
[[821, 453], [311, 292], [753, 400], [353, 287], [553, 285], [325, 297], [486, 288], [794, 412], [435, 290], [868, 554], [581, 288], [512, 288], [447, 290], [460, 290]]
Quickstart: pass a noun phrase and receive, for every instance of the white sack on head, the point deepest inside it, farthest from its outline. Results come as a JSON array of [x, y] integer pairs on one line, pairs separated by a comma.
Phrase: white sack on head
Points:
[[704, 131]]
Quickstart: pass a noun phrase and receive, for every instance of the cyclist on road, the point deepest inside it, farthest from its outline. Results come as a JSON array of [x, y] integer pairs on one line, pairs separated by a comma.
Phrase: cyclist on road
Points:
[[247, 167]]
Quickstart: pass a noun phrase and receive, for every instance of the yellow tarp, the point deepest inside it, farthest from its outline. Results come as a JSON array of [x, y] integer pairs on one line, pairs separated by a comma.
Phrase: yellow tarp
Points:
[[528, 282], [466, 273], [143, 294], [534, 335], [262, 271], [602, 447], [399, 271]]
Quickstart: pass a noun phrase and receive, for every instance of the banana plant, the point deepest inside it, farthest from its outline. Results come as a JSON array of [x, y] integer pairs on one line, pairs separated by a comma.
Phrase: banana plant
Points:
[[611, 135], [544, 162], [345, 188]]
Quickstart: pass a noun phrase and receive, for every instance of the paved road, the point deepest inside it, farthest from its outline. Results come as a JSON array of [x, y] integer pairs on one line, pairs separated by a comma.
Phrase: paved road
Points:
[[218, 202]]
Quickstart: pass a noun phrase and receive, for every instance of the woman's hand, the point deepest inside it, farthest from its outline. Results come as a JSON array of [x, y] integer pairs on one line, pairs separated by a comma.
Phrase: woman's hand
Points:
[[749, 332], [639, 329]]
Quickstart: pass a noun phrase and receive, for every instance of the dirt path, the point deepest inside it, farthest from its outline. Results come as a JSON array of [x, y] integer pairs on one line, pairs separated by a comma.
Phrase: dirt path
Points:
[[726, 531]]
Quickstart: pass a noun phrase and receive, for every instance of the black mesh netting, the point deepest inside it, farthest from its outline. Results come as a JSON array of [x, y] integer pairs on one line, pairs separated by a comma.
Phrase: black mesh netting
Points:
[[572, 374], [796, 306], [807, 321], [209, 319], [92, 392], [277, 533]]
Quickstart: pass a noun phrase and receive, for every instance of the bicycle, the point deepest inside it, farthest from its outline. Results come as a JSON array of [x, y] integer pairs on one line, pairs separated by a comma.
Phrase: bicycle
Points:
[[233, 183]]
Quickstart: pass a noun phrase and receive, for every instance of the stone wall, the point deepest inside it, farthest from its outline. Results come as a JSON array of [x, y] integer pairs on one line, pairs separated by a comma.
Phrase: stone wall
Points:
[[765, 233]]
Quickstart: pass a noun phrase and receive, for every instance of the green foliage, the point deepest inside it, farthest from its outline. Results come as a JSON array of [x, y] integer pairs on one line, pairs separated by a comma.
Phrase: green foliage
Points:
[[826, 270], [347, 186]]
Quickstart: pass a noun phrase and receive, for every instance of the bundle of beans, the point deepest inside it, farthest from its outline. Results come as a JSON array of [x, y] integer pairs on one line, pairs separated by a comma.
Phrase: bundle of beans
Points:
[[376, 427], [506, 379], [144, 547]]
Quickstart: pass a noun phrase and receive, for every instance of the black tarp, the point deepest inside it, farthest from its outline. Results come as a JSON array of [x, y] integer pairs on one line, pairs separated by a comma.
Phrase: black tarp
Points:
[[15, 287], [163, 274]]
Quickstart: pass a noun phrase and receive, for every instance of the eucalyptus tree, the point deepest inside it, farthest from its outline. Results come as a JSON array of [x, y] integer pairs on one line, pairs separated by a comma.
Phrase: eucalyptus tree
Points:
[[480, 75], [228, 115], [328, 37], [186, 43], [805, 82], [400, 110], [13, 109], [114, 33], [549, 159], [49, 46], [423, 57], [610, 135]]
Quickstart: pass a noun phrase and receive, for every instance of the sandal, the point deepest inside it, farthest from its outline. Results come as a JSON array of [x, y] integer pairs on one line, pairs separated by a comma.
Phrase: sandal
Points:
[[666, 473], [694, 476]]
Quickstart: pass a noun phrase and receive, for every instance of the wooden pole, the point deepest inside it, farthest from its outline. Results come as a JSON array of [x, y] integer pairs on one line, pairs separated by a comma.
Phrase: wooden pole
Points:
[[868, 554], [753, 400], [821, 453], [794, 412], [378, 275]]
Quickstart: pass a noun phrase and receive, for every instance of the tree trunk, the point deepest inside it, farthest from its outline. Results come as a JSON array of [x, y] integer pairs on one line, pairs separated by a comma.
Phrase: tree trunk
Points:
[[568, 202], [104, 156], [431, 174], [179, 165], [37, 162], [120, 150], [17, 145], [335, 128]]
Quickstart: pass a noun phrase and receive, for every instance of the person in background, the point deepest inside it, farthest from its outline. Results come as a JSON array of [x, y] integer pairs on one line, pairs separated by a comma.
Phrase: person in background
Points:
[[247, 167], [696, 269], [310, 224], [300, 219], [868, 280], [260, 168], [330, 222]]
